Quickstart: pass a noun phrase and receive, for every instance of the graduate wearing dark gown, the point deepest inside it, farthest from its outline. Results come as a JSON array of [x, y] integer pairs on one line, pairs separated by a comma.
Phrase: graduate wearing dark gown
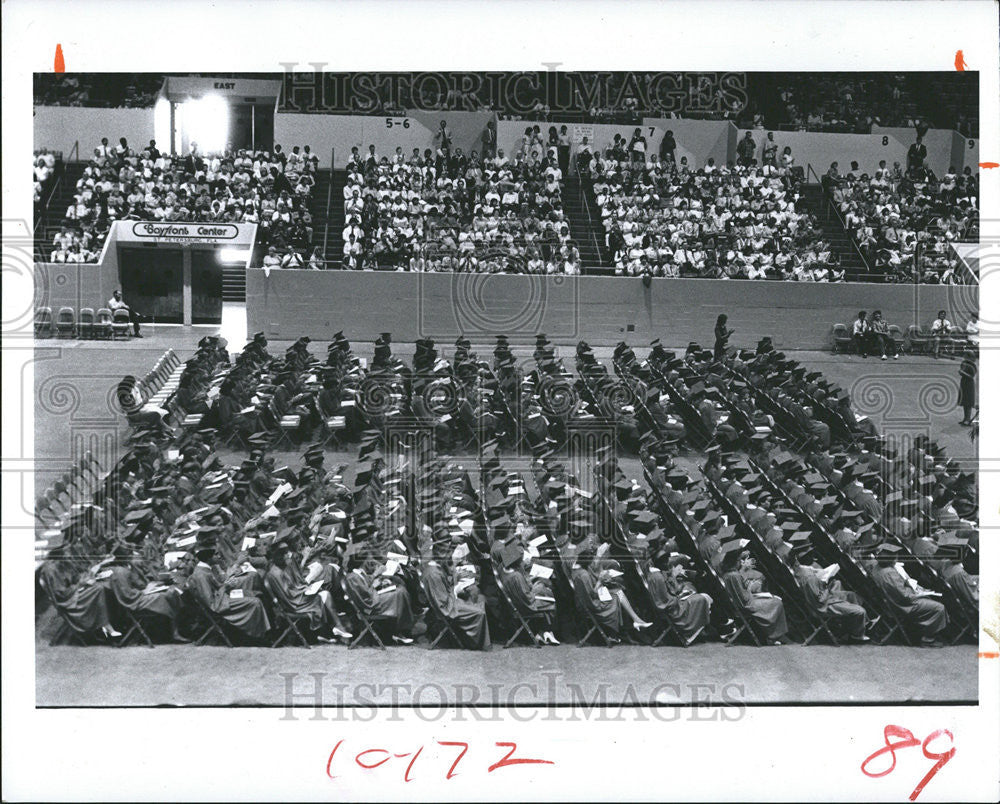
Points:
[[767, 612], [688, 613], [829, 601], [393, 607], [467, 618], [535, 602], [607, 612], [246, 614], [163, 602], [286, 585], [923, 614], [84, 604], [966, 586]]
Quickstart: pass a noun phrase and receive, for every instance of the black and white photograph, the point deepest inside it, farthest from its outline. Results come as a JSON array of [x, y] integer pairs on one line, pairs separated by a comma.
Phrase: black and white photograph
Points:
[[350, 394]]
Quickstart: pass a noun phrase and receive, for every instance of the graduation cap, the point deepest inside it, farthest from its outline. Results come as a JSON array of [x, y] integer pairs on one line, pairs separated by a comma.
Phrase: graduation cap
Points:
[[643, 520], [314, 454], [731, 550]]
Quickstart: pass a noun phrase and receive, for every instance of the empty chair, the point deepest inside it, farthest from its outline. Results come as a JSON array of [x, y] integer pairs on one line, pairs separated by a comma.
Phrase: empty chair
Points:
[[919, 341], [102, 326], [120, 324], [841, 338], [86, 322], [897, 337], [66, 321], [43, 321]]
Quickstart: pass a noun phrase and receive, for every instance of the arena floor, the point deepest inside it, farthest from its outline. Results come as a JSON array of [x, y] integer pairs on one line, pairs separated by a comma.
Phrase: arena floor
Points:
[[73, 383]]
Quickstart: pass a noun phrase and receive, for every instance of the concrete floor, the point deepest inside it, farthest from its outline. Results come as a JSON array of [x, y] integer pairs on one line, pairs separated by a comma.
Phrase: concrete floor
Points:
[[217, 676], [73, 381]]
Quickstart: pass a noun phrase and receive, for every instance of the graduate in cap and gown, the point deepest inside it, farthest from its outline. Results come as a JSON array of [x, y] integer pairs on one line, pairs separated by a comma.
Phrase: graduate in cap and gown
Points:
[[839, 608], [299, 598], [767, 611], [688, 612], [231, 599], [383, 600], [916, 607], [466, 617], [84, 603]]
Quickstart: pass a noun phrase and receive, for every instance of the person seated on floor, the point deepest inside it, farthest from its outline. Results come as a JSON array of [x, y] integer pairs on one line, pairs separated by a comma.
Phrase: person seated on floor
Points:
[[915, 606], [302, 597], [839, 608], [383, 599], [688, 611], [466, 615], [767, 611], [597, 589]]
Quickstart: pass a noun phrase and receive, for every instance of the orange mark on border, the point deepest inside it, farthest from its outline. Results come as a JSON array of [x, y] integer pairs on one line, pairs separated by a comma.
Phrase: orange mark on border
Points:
[[989, 165], [60, 63], [960, 64], [989, 655]]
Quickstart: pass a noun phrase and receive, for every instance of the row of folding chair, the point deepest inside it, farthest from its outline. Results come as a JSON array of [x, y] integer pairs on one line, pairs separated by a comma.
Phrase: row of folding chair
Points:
[[76, 486], [65, 324]]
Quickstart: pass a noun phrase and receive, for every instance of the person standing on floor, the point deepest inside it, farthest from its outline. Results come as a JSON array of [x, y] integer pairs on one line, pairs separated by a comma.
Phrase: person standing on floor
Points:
[[967, 387]]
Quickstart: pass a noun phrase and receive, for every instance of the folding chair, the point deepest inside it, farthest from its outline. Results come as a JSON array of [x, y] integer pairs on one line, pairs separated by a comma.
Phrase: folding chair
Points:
[[103, 323], [86, 322], [841, 339], [446, 627], [669, 629], [43, 322], [133, 626], [285, 623], [120, 323], [523, 625], [595, 625], [76, 633], [66, 322], [366, 623], [211, 620]]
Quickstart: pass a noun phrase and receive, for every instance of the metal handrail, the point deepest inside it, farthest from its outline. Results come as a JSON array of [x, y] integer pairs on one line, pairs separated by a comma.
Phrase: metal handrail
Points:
[[590, 217], [830, 207], [329, 196]]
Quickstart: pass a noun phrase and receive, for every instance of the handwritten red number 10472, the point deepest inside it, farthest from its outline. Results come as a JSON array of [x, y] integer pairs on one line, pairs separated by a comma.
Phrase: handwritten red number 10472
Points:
[[898, 738]]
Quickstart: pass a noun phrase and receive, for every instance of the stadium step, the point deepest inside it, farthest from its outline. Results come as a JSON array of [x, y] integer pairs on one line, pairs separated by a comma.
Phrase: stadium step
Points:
[[335, 239], [588, 235], [234, 283], [832, 230]]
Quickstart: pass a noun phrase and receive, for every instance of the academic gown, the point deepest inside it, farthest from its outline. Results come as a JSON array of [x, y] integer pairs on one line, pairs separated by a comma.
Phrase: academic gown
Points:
[[767, 612], [687, 614], [292, 597], [830, 604], [523, 595], [966, 586], [393, 606], [86, 606], [245, 614], [165, 603], [467, 619], [606, 612], [929, 616]]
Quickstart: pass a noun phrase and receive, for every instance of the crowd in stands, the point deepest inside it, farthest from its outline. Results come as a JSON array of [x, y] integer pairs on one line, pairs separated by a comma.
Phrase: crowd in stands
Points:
[[443, 210], [804, 522], [663, 217], [894, 212], [121, 182], [109, 90], [44, 174]]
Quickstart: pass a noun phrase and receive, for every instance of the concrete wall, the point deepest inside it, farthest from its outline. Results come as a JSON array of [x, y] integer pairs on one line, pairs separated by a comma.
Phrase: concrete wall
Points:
[[321, 132], [696, 139], [59, 127], [945, 147], [601, 310], [76, 286]]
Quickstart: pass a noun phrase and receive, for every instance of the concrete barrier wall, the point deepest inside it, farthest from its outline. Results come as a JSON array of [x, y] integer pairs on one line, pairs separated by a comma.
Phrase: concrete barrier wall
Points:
[[59, 127], [601, 310], [76, 285], [321, 132]]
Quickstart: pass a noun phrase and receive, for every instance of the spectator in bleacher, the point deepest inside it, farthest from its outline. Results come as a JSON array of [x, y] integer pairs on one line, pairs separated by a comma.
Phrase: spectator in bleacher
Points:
[[769, 151], [916, 154], [637, 146], [489, 140], [116, 303], [746, 149], [668, 146]]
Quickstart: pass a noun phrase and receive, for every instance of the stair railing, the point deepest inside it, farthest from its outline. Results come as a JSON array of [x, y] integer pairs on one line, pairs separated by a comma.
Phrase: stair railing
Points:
[[590, 219], [832, 212], [329, 196]]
